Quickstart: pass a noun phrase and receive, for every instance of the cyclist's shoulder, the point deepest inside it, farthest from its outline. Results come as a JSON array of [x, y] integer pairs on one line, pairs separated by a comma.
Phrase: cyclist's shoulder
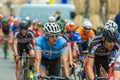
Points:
[[118, 42], [30, 31], [41, 38], [76, 34], [61, 39], [16, 31], [96, 40]]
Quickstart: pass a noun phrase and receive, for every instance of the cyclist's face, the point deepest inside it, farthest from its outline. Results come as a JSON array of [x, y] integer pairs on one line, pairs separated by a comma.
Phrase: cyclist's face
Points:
[[71, 33], [23, 32], [109, 44], [35, 27], [52, 39], [86, 30]]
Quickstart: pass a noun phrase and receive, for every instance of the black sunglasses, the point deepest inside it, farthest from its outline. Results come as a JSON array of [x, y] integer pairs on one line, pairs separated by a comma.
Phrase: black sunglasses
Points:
[[110, 40], [87, 28], [71, 31]]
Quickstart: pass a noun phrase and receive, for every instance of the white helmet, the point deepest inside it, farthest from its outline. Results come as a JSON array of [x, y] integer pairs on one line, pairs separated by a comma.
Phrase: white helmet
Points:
[[52, 28], [27, 18], [110, 24], [52, 19], [87, 24]]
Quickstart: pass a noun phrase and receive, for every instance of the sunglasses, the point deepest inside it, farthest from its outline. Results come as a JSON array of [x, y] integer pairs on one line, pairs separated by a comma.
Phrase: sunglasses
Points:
[[110, 40], [87, 28], [24, 28], [35, 24], [70, 31], [53, 36]]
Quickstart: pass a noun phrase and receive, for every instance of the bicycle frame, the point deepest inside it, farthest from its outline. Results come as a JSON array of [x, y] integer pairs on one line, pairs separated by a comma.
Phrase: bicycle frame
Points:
[[25, 66]]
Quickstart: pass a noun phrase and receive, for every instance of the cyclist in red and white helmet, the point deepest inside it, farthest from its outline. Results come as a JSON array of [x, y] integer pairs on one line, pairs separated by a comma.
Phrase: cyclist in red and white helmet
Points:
[[35, 28]]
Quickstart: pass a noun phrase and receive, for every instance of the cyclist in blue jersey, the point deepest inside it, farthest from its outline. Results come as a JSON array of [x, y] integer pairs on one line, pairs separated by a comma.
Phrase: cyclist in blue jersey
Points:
[[117, 20], [13, 27], [74, 40], [50, 51]]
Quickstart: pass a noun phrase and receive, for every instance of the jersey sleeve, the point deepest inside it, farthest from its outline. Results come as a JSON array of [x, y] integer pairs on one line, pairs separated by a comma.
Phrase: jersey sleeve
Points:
[[64, 47], [77, 37], [16, 33], [12, 28], [31, 34], [117, 63], [37, 43]]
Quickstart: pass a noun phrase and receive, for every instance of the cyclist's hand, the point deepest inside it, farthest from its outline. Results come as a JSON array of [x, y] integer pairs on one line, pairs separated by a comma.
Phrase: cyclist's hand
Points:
[[17, 57], [36, 75], [73, 65], [68, 78]]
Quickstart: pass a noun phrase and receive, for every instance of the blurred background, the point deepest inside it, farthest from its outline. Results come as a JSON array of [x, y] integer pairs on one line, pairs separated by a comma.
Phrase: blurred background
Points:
[[98, 11]]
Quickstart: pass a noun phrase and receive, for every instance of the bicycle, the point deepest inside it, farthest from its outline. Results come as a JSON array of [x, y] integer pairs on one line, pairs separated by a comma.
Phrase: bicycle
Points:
[[5, 48], [25, 66], [79, 72], [110, 73]]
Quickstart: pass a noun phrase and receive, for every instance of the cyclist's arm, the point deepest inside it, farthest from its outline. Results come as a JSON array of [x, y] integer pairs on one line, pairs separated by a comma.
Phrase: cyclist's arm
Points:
[[15, 43], [116, 75], [38, 58], [38, 55], [64, 59], [70, 53], [89, 66]]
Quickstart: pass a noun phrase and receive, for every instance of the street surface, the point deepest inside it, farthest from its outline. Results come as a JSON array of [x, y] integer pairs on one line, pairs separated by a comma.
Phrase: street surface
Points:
[[7, 67]]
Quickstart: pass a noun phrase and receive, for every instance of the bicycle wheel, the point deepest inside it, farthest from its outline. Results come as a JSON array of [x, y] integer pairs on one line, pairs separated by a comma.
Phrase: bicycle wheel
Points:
[[78, 71], [5, 49], [22, 74]]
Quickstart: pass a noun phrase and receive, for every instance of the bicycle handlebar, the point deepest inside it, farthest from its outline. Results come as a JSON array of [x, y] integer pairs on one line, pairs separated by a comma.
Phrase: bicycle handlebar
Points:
[[51, 77]]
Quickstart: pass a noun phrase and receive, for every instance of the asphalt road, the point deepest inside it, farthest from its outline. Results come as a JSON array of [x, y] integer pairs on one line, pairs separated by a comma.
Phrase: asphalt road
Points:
[[7, 67]]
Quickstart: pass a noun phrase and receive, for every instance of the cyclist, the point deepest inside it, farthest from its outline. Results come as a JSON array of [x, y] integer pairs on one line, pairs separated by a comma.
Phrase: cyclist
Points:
[[86, 33], [27, 18], [14, 27], [1, 17], [74, 41], [22, 39], [50, 54], [6, 30], [51, 19], [117, 20], [116, 75], [5, 27], [101, 49], [35, 28]]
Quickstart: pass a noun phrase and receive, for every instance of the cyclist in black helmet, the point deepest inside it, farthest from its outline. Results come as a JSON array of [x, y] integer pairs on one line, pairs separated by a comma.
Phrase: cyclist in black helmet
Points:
[[22, 40], [102, 49]]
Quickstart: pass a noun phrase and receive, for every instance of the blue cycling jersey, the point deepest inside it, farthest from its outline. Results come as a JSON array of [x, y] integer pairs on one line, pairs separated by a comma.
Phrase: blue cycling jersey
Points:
[[51, 51], [76, 37], [13, 27]]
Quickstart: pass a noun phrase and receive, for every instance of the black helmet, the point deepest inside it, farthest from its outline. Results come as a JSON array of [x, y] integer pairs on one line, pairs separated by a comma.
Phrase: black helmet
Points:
[[24, 25], [110, 32]]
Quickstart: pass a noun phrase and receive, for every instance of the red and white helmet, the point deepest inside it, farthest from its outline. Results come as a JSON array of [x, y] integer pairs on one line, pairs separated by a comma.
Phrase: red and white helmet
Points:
[[36, 22]]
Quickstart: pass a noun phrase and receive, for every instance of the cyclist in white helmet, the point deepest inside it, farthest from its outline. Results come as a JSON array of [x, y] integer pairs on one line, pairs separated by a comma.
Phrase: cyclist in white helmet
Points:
[[52, 19], [86, 33], [27, 18], [50, 50]]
